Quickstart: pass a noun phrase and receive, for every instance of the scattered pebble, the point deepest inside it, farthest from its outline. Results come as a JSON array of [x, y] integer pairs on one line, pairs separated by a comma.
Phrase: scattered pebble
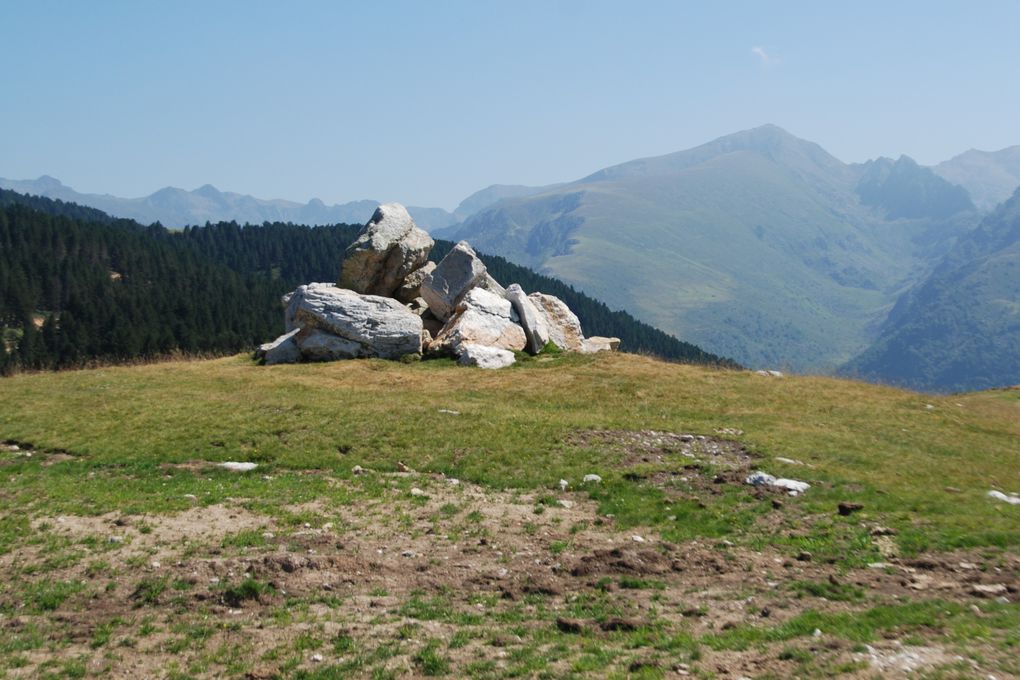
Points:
[[401, 467], [817, 633], [595, 479], [234, 466], [566, 504], [847, 508], [357, 470], [1012, 498], [637, 539], [793, 486], [409, 553], [983, 590], [564, 484], [115, 539], [317, 658], [453, 481], [415, 491]]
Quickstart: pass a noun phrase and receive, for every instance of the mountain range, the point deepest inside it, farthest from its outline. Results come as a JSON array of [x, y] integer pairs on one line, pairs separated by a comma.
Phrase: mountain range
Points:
[[758, 245], [176, 208]]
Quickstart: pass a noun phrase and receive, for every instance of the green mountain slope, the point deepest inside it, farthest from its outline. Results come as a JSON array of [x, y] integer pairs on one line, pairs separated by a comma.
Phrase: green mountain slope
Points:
[[960, 328], [756, 245], [991, 177]]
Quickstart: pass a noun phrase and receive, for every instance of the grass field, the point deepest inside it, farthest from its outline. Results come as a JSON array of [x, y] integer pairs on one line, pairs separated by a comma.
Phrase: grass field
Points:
[[457, 552]]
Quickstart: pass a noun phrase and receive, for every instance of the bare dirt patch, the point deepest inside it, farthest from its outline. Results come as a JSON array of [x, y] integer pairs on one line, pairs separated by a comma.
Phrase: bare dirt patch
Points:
[[654, 447], [477, 576]]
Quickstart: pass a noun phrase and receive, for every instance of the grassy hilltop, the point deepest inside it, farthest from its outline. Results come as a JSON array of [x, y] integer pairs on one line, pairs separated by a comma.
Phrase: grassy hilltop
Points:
[[127, 551]]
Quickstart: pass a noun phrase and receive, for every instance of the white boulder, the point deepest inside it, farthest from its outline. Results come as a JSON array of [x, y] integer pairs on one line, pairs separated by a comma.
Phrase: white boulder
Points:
[[364, 325], [283, 350], [532, 321], [597, 343], [410, 289], [485, 357], [456, 274], [388, 249], [564, 326], [481, 318]]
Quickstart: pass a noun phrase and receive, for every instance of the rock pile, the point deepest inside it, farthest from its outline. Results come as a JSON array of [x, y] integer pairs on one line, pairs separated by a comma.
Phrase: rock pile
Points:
[[392, 302]]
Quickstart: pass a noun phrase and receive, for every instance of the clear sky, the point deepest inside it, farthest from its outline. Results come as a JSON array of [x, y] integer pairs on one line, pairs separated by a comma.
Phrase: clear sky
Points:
[[425, 102]]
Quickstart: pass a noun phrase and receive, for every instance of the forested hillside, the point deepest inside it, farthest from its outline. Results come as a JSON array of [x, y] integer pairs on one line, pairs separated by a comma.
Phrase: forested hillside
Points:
[[78, 286], [960, 328]]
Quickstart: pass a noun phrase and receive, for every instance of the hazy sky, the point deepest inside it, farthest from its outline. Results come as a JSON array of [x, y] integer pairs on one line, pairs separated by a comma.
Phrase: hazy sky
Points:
[[425, 102]]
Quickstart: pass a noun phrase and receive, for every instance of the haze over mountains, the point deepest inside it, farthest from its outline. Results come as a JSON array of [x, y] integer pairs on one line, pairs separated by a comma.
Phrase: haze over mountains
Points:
[[960, 328], [176, 208], [759, 245], [991, 177]]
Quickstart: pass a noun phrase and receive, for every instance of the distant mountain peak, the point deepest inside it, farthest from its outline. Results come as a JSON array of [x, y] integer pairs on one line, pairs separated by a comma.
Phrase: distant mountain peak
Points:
[[769, 141], [991, 177], [904, 189], [49, 183], [208, 191]]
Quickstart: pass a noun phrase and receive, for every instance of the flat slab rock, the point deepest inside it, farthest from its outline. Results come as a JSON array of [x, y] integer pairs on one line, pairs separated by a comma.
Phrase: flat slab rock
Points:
[[336, 323], [283, 350]]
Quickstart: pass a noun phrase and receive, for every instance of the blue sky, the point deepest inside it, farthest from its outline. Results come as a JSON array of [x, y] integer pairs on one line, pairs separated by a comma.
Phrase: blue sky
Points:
[[426, 102]]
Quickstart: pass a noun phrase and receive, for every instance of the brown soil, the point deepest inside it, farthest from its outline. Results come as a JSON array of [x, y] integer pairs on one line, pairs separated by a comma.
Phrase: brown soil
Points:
[[368, 575]]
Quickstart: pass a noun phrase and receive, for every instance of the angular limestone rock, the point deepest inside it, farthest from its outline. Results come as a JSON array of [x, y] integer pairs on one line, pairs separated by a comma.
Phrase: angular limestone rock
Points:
[[532, 321], [485, 357], [389, 248], [377, 326], [597, 343], [481, 318], [410, 289], [564, 327], [492, 285], [283, 350], [317, 345], [457, 273]]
